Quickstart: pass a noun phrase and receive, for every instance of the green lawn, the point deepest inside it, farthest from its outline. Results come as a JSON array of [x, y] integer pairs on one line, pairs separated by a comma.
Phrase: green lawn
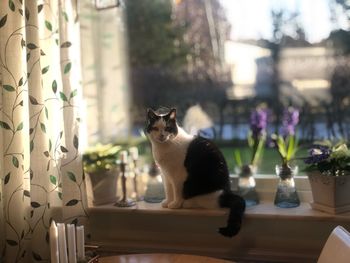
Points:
[[267, 165]]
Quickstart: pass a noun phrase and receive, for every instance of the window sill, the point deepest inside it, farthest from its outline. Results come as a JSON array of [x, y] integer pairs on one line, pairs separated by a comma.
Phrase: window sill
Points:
[[268, 232], [265, 210]]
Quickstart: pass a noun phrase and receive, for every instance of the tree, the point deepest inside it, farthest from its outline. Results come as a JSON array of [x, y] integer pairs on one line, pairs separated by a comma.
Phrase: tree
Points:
[[157, 54], [154, 39]]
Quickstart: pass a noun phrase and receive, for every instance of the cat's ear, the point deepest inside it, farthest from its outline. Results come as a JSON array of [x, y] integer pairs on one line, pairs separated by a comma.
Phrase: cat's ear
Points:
[[151, 114], [172, 114]]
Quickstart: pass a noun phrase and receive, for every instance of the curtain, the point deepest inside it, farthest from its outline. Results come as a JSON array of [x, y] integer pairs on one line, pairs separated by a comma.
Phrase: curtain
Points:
[[40, 159]]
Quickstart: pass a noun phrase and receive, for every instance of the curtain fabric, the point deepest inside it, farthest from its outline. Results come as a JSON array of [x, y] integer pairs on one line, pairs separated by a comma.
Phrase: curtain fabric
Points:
[[40, 160]]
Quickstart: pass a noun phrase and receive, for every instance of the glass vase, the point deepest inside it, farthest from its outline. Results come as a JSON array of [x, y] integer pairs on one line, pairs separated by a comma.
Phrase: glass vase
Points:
[[155, 189], [286, 194], [246, 185]]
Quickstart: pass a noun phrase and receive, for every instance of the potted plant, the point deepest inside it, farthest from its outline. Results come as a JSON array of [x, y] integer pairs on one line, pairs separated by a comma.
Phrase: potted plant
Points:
[[328, 171], [256, 142], [100, 163], [287, 146]]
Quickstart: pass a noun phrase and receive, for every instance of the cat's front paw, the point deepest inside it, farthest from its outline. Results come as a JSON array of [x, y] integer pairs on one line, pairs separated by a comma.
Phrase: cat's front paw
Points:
[[165, 203], [175, 204]]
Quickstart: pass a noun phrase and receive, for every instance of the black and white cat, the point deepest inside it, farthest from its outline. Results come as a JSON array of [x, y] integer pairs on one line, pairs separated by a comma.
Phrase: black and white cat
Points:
[[194, 171]]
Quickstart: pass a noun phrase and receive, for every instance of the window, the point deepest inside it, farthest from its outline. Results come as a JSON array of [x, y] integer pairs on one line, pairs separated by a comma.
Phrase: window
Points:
[[226, 57]]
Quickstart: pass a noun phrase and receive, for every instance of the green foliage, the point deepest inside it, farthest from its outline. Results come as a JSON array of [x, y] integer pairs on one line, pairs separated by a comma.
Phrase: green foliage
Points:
[[101, 157], [154, 39], [256, 149], [287, 147], [329, 158]]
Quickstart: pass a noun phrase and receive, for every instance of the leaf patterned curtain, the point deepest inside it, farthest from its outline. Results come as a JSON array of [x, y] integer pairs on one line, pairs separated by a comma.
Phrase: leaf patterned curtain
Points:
[[40, 162]]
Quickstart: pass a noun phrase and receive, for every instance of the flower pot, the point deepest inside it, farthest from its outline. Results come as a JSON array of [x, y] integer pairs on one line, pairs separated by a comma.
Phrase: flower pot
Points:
[[330, 193], [104, 186]]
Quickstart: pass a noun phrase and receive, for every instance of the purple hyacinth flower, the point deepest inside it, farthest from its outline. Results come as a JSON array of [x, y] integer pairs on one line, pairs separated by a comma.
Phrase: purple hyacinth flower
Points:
[[258, 122], [289, 121], [318, 153]]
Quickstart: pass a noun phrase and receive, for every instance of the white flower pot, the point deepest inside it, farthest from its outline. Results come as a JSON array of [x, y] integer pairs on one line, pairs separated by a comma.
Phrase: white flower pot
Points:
[[330, 194], [104, 186]]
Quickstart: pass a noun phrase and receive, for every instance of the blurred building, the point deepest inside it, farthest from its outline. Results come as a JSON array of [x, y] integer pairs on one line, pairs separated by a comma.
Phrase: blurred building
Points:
[[305, 72]]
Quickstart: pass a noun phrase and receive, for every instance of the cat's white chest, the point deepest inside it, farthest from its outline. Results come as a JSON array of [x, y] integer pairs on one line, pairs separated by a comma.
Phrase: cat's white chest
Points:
[[171, 158]]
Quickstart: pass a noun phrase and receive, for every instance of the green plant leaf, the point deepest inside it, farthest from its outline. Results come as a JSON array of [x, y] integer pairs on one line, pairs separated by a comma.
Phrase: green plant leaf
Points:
[[64, 149], [46, 113], [28, 56], [75, 142], [42, 126], [7, 178], [281, 147], [54, 86], [67, 68], [9, 88], [42, 53], [50, 145], [65, 15], [53, 179], [40, 7], [5, 125], [48, 25], [12, 6], [27, 13], [66, 44], [31, 146], [72, 202], [20, 11], [20, 126], [73, 93], [71, 176], [3, 21], [59, 195], [237, 157], [63, 96], [290, 147], [20, 82], [32, 46], [15, 161], [33, 100], [35, 204], [44, 70]]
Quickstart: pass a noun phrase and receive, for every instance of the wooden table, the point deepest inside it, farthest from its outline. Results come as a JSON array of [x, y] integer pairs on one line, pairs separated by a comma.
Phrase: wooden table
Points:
[[160, 258]]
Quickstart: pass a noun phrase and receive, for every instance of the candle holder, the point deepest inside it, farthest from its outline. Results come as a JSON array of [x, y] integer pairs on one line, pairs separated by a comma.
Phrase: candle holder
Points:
[[136, 173], [124, 201]]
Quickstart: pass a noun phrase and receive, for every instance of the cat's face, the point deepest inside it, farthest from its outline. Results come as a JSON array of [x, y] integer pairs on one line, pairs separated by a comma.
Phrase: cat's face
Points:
[[161, 127]]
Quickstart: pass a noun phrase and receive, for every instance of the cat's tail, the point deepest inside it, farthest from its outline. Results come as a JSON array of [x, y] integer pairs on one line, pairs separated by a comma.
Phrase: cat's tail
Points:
[[236, 204]]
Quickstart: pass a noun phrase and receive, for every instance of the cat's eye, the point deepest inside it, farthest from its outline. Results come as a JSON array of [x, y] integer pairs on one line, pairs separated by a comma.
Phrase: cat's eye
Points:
[[168, 129]]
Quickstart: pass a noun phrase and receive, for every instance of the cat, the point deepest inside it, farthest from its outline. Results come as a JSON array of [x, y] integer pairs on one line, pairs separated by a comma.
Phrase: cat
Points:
[[194, 171]]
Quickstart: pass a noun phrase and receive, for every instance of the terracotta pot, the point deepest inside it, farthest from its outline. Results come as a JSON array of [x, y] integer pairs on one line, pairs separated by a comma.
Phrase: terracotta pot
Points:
[[104, 186], [331, 194]]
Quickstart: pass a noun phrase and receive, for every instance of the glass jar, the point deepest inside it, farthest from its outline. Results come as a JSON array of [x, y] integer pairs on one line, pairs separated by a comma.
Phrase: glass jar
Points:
[[154, 192], [286, 194], [246, 185]]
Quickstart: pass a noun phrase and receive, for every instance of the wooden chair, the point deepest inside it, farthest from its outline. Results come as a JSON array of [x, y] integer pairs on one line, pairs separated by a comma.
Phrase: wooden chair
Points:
[[337, 247]]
